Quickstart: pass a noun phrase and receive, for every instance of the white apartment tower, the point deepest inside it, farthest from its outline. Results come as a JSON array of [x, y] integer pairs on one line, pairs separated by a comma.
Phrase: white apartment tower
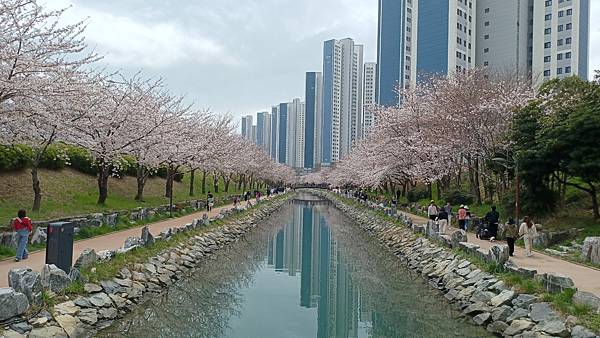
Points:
[[295, 134], [369, 97], [342, 98]]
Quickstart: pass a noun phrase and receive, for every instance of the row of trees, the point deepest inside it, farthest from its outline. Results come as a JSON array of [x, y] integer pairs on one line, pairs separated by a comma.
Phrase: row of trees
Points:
[[50, 92], [472, 130]]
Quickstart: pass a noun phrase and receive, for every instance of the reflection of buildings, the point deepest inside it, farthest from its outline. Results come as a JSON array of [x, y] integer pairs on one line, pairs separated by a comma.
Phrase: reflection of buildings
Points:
[[306, 245]]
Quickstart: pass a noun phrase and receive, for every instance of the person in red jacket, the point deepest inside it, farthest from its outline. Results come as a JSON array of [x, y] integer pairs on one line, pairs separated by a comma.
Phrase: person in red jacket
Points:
[[22, 226]]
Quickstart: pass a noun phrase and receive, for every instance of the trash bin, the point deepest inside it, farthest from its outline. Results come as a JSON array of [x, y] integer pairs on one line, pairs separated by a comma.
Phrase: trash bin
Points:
[[59, 245]]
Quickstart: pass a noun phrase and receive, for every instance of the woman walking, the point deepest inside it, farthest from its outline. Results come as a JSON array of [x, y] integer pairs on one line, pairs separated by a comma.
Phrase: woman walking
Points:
[[210, 201], [22, 226], [528, 232], [511, 233]]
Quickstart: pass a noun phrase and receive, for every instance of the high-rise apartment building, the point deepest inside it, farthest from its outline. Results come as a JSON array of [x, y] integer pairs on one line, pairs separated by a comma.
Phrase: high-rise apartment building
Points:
[[274, 151], [282, 133], [247, 123], [396, 48], [342, 98], [369, 97], [260, 128], [295, 134], [313, 119], [445, 37], [560, 39]]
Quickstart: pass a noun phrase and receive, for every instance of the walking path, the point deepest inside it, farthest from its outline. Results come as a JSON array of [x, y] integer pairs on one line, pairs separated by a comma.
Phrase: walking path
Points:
[[111, 241], [585, 278]]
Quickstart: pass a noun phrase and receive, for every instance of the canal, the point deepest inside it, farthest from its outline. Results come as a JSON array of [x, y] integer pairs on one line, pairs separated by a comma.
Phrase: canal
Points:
[[305, 272]]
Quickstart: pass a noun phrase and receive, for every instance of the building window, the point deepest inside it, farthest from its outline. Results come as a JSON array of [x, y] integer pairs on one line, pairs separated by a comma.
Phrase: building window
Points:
[[560, 28], [486, 50], [547, 72], [559, 42], [568, 41], [567, 70], [547, 31], [547, 44], [567, 55], [569, 12], [486, 37], [559, 56], [487, 10], [487, 23], [558, 71], [548, 3], [561, 14], [485, 63], [569, 26], [548, 17], [546, 59]]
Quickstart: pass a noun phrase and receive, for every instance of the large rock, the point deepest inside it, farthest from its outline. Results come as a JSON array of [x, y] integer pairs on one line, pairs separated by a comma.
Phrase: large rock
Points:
[[518, 326], [588, 299], [581, 332], [458, 236], [555, 282], [28, 282], [503, 298], [54, 278], [524, 300], [132, 242], [147, 237], [12, 303], [553, 327], [497, 327], [542, 312], [499, 253], [87, 258], [591, 249], [39, 236]]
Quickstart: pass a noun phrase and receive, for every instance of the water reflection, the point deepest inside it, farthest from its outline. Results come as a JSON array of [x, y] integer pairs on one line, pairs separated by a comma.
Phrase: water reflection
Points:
[[306, 273]]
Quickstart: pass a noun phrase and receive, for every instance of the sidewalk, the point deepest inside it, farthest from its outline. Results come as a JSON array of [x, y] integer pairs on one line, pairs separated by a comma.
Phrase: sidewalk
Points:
[[111, 241], [585, 278]]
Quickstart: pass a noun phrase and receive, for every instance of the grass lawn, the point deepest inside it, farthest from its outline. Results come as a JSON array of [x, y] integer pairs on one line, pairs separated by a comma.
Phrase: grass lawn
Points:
[[69, 193]]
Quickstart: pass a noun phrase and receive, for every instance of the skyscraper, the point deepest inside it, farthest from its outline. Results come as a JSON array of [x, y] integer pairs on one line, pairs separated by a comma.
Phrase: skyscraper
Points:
[[560, 39], [282, 120], [369, 98], [295, 134], [342, 98], [396, 48], [260, 128], [247, 123], [274, 132], [313, 116], [445, 37]]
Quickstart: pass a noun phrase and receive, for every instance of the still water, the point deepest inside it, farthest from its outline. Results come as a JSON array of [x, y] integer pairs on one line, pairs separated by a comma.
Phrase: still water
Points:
[[306, 272]]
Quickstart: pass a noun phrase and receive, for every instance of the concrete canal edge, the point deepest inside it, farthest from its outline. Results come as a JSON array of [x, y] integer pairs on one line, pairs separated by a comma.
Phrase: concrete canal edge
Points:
[[482, 296], [103, 302]]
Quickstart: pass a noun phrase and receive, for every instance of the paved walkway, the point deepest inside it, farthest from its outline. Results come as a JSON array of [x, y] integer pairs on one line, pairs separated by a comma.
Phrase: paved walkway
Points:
[[585, 278], [111, 241]]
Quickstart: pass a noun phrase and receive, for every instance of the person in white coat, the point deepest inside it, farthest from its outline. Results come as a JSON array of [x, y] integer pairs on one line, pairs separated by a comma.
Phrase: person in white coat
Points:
[[528, 232]]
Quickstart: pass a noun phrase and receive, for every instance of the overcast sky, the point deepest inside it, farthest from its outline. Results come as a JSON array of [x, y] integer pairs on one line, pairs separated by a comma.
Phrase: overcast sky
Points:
[[237, 56]]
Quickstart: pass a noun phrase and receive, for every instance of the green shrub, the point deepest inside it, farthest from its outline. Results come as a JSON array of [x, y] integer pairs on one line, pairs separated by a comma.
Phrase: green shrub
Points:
[[54, 158], [14, 157], [458, 197], [81, 160], [418, 193]]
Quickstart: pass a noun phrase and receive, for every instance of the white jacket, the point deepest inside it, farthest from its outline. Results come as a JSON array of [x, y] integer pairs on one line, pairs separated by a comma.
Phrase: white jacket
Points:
[[526, 231]]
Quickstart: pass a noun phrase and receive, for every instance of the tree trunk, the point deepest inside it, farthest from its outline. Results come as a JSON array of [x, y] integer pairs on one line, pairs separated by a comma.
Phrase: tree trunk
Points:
[[192, 174], [203, 182], [216, 182], [594, 196], [37, 191], [103, 175], [226, 180], [169, 182], [239, 182], [141, 178]]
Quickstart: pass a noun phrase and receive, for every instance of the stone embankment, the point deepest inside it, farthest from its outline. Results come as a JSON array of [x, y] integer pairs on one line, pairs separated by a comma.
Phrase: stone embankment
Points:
[[107, 300], [477, 294]]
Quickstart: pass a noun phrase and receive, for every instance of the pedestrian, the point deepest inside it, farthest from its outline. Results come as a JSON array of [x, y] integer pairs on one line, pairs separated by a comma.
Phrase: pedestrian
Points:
[[22, 226], [462, 217], [492, 218], [528, 232], [268, 192], [448, 209], [257, 196], [511, 233], [467, 218], [432, 211], [236, 201], [246, 196], [210, 201], [442, 221]]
